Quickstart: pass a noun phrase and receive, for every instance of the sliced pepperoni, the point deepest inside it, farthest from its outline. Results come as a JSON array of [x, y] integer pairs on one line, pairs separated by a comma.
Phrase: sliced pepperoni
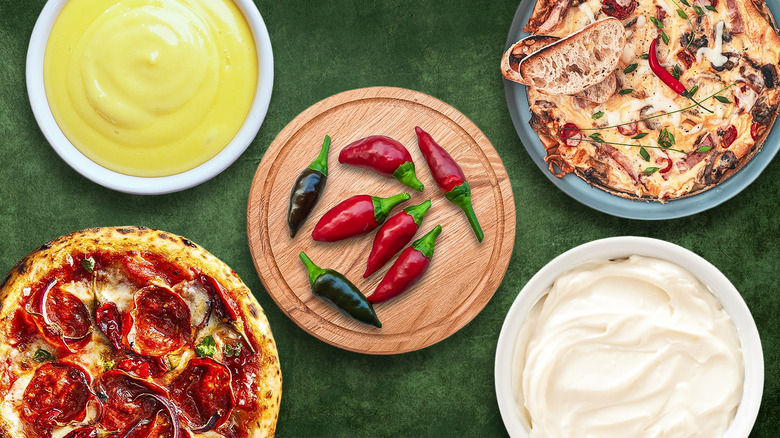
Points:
[[126, 402], [56, 395], [62, 318], [245, 370], [143, 267], [109, 321], [158, 427], [204, 394], [143, 366], [83, 432], [159, 322], [23, 329]]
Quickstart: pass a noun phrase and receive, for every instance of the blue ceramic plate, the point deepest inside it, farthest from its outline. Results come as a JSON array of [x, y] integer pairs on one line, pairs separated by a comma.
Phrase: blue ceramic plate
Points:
[[572, 185]]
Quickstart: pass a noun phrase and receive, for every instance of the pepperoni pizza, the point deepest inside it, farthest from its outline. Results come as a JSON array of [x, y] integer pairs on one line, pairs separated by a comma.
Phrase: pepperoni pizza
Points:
[[133, 332]]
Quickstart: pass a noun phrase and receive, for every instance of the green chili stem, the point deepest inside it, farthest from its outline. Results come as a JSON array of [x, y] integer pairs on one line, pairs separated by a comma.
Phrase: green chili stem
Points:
[[382, 206], [461, 196], [426, 243], [321, 163], [418, 211], [314, 270]]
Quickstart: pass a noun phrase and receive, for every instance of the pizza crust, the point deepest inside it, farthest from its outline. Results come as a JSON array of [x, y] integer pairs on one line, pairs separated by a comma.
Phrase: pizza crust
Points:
[[35, 266]]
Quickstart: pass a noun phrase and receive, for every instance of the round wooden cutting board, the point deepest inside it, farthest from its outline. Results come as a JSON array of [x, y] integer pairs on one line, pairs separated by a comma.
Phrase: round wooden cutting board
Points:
[[464, 274]]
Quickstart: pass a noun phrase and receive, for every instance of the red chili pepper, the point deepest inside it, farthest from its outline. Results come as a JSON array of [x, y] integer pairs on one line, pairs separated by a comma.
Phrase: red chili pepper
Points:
[[355, 216], [394, 235], [408, 269], [383, 155], [667, 77], [661, 72], [571, 135], [449, 177], [756, 130], [728, 137]]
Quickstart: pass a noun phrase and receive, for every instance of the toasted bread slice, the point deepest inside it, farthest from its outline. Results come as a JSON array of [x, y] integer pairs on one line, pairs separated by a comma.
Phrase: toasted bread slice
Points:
[[598, 93], [577, 62], [519, 51]]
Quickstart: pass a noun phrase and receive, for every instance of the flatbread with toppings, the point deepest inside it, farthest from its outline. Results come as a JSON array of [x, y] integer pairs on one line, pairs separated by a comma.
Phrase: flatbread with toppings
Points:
[[672, 128], [133, 332]]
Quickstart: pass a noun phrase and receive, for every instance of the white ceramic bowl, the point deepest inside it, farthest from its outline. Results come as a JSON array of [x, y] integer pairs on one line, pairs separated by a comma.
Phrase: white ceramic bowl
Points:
[[619, 247], [142, 185]]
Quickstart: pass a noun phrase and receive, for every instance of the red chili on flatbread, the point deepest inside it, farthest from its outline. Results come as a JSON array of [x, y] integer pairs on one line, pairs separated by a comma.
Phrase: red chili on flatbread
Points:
[[133, 332]]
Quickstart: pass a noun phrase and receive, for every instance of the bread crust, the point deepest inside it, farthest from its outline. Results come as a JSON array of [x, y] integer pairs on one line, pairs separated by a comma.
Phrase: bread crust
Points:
[[121, 240]]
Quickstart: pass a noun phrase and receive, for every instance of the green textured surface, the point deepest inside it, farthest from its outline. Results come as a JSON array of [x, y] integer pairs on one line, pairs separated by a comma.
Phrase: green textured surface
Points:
[[449, 50]]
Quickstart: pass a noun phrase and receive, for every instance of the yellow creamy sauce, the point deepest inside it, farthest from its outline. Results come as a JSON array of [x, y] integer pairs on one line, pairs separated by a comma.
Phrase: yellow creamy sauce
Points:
[[150, 87]]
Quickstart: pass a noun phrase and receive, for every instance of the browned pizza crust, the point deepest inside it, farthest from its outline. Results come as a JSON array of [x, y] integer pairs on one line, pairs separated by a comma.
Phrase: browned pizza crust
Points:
[[118, 240]]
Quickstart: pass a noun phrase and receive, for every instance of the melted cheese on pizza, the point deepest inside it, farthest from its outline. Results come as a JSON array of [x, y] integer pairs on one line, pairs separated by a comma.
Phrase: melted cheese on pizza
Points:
[[732, 52]]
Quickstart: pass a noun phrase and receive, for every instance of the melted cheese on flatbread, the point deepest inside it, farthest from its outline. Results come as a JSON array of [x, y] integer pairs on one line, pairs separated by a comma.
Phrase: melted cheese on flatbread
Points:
[[650, 96]]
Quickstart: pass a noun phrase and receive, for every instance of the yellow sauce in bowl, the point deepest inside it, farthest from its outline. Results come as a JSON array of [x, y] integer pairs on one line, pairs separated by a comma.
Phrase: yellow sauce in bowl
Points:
[[150, 88]]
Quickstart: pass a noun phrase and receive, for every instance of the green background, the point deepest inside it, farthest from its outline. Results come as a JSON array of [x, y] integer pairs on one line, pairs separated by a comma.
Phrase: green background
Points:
[[451, 51]]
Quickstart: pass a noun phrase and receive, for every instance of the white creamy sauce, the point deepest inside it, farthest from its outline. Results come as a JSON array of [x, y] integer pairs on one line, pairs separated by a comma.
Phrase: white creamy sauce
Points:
[[715, 55], [628, 348]]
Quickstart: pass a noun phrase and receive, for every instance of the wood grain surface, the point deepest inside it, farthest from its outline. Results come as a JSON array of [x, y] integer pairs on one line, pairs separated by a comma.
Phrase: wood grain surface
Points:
[[463, 275]]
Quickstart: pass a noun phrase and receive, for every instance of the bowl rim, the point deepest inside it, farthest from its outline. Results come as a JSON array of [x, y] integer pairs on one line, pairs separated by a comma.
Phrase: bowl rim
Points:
[[619, 247], [148, 185]]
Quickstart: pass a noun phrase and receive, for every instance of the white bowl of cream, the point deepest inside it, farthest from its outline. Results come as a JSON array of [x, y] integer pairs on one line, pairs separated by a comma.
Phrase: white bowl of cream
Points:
[[629, 336], [149, 96]]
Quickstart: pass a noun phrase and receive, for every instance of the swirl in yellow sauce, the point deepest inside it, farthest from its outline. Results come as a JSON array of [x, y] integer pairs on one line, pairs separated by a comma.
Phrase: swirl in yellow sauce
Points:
[[150, 87]]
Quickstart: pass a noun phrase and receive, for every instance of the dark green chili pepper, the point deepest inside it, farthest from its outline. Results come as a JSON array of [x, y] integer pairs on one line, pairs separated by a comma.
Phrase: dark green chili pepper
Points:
[[307, 189], [334, 288]]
